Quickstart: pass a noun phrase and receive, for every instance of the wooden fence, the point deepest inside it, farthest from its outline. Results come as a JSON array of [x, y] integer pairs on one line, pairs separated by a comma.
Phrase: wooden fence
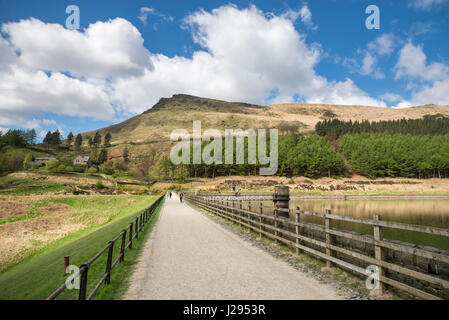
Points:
[[128, 234], [296, 234]]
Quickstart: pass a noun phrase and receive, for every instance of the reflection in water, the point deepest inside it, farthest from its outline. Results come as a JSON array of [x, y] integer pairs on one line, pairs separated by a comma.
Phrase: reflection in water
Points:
[[433, 213]]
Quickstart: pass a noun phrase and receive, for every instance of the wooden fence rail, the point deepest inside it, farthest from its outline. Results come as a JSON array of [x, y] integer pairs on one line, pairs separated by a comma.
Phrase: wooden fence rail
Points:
[[132, 230], [292, 232]]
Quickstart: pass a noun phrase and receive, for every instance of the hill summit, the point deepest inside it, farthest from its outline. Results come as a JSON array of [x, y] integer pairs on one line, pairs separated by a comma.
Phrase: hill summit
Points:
[[179, 111], [195, 103]]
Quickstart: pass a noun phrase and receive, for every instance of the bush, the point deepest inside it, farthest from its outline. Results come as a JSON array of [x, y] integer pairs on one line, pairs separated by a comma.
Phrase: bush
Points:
[[92, 170], [52, 165], [61, 168], [107, 167], [142, 191], [11, 160], [99, 185], [79, 168], [27, 161], [69, 169]]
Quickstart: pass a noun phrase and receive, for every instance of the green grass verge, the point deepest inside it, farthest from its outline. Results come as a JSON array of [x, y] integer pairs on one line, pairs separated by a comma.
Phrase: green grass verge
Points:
[[39, 275], [121, 274]]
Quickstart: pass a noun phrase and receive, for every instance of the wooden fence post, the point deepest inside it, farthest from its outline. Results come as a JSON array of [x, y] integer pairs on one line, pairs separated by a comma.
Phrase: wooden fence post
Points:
[[379, 253], [137, 227], [141, 222], [107, 280], [122, 247], [66, 263], [276, 213], [329, 238], [297, 229], [83, 282], [131, 235], [249, 215], [240, 212], [260, 219]]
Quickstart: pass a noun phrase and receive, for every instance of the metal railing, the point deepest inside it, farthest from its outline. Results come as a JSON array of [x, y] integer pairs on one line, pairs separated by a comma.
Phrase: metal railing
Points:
[[132, 231]]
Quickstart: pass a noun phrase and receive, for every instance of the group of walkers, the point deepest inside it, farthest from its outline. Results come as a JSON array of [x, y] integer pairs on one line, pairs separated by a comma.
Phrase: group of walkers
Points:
[[169, 195]]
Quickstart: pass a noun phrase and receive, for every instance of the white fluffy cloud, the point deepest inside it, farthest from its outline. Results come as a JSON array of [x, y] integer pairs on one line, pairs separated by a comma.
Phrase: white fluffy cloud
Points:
[[433, 78], [145, 11], [424, 4], [112, 48], [368, 65], [306, 16], [245, 55], [30, 93], [64, 71], [383, 45], [413, 63]]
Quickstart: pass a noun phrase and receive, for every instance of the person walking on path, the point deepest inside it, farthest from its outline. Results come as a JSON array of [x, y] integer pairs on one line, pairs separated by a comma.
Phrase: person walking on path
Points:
[[180, 196]]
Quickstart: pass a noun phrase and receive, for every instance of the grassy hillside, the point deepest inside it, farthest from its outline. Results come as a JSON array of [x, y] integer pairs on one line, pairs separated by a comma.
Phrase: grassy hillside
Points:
[[37, 276], [149, 132], [156, 124]]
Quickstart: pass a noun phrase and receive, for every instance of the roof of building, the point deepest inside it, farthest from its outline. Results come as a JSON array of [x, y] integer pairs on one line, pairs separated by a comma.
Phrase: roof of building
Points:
[[84, 158], [44, 158]]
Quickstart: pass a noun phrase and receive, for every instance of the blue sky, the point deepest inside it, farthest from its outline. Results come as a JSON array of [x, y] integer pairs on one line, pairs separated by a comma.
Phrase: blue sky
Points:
[[128, 54]]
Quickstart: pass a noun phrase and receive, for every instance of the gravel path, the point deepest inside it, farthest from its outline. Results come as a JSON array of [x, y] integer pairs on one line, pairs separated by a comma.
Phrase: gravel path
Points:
[[188, 256]]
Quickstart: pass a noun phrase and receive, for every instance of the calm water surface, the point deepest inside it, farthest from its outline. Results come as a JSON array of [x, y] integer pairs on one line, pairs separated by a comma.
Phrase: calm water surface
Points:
[[434, 212]]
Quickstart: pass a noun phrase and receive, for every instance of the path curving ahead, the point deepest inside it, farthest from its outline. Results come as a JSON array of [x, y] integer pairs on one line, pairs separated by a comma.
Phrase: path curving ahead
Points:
[[188, 256]]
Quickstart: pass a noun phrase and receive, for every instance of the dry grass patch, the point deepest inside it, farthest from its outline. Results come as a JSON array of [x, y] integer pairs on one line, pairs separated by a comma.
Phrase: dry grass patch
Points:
[[12, 208], [21, 238], [54, 208]]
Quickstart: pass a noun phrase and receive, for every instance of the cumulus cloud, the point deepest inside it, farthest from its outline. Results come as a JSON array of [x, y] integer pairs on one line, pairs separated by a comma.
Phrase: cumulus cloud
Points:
[[392, 97], [46, 68], [383, 45], [27, 93], [111, 48], [244, 55], [366, 67], [412, 63], [304, 14], [247, 56], [145, 11], [433, 78]]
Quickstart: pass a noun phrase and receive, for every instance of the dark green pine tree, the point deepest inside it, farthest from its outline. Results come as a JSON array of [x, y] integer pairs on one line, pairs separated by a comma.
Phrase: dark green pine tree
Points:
[[97, 139], [69, 138], [78, 142], [107, 139], [103, 156]]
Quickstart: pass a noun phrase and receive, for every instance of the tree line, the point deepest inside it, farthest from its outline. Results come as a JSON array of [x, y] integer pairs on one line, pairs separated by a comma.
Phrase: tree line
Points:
[[397, 155], [17, 138], [311, 156], [433, 125]]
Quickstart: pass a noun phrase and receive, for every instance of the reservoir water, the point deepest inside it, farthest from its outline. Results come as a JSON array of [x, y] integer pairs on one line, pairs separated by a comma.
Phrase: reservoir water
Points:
[[432, 212]]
